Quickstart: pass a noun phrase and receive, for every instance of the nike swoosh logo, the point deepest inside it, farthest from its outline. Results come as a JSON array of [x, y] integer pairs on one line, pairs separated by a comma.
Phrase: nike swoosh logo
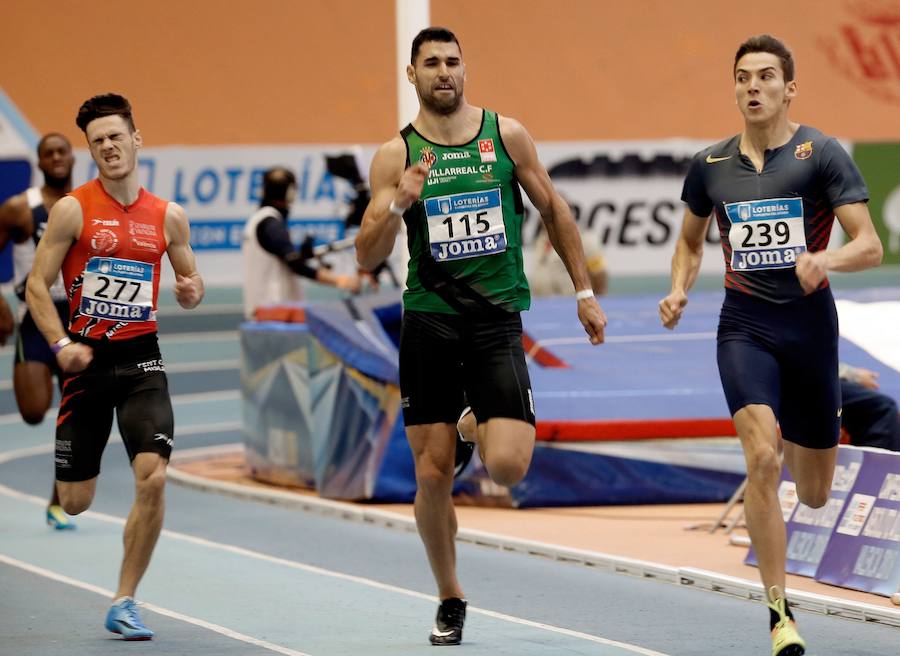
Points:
[[126, 625], [712, 160], [440, 634]]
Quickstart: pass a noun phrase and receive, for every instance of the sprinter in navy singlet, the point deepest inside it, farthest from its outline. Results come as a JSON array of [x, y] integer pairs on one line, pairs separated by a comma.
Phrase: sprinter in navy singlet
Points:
[[23, 219], [775, 190]]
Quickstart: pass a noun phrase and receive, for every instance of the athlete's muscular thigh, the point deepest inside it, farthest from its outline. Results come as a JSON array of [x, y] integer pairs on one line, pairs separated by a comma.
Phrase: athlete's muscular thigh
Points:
[[431, 387], [496, 375], [84, 422], [145, 417], [33, 385]]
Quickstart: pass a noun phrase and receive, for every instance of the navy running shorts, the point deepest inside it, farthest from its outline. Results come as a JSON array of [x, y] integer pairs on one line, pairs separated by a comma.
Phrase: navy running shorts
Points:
[[127, 378], [30, 343], [785, 356], [448, 361]]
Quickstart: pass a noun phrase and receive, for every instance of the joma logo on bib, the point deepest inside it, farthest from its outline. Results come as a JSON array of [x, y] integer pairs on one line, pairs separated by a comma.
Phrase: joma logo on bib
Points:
[[768, 259], [109, 310], [463, 248]]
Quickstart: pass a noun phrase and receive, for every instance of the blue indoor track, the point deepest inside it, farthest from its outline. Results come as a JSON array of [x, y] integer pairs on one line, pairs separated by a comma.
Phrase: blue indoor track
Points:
[[236, 577]]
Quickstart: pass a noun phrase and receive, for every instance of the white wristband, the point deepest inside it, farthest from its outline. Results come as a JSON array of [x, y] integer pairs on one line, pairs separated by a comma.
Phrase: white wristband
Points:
[[396, 209], [59, 345], [582, 294]]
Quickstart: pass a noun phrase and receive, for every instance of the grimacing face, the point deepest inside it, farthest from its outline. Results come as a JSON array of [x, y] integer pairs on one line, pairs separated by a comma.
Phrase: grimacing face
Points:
[[439, 76], [760, 88], [56, 159], [113, 146]]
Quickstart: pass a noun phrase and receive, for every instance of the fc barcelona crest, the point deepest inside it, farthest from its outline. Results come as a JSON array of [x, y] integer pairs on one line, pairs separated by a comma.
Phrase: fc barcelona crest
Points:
[[428, 157], [804, 150]]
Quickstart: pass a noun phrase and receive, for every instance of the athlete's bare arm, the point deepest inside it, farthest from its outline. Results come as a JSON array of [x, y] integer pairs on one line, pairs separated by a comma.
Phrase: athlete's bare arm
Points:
[[15, 220], [389, 182], [561, 227], [685, 267], [63, 228], [189, 287], [862, 251], [15, 224]]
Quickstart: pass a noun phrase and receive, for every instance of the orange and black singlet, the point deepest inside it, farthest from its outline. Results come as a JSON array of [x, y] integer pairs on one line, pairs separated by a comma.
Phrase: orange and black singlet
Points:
[[111, 272]]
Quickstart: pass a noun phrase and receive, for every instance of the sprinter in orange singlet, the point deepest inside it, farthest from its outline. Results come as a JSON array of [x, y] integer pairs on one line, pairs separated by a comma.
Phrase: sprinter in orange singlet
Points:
[[108, 238]]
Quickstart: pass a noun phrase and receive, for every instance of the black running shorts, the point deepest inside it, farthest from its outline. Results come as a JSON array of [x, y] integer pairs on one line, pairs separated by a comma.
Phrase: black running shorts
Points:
[[447, 360], [129, 378]]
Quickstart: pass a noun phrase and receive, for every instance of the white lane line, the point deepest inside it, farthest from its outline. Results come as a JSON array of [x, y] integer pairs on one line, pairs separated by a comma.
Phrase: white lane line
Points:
[[628, 393], [16, 418], [8, 351], [612, 564], [350, 578], [26, 453], [176, 368], [201, 397], [203, 624], [178, 399], [620, 339], [213, 336], [199, 429], [204, 365], [202, 309]]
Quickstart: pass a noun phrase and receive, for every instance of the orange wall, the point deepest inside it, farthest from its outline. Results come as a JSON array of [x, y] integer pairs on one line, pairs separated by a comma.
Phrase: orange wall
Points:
[[586, 69], [314, 71], [207, 71]]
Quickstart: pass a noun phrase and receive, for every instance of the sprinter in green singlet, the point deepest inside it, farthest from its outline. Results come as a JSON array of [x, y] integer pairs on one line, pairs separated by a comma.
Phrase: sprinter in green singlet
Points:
[[453, 177]]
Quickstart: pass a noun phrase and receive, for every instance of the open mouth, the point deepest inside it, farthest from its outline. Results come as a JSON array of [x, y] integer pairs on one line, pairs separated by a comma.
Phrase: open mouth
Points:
[[754, 104]]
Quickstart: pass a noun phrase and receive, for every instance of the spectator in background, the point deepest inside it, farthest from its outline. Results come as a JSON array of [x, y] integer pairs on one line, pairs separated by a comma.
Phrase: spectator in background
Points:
[[347, 166], [868, 416], [271, 261], [547, 275]]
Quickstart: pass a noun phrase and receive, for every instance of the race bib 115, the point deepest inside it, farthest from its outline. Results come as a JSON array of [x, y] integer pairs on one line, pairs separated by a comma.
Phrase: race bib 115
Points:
[[465, 225]]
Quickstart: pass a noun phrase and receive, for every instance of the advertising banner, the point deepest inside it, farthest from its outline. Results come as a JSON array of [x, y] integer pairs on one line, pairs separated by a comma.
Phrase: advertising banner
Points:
[[221, 186], [864, 552], [880, 166], [626, 197], [809, 530]]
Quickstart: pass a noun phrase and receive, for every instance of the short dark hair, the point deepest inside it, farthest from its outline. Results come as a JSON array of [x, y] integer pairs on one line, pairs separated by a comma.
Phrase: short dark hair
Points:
[[51, 135], [441, 34], [276, 182], [767, 43], [107, 104]]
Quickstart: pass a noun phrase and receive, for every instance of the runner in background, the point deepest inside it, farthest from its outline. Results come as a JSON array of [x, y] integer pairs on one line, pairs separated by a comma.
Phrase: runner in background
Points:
[[23, 219]]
